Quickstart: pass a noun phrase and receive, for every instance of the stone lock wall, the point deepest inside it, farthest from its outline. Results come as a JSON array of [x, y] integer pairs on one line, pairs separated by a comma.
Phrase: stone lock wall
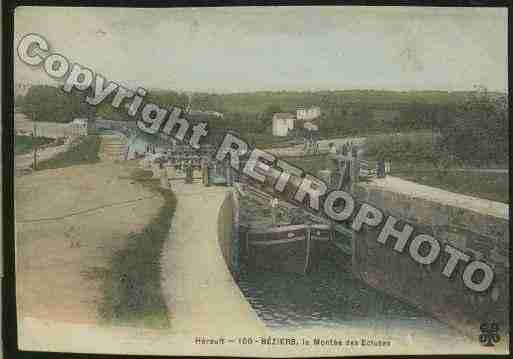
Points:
[[483, 235], [228, 232]]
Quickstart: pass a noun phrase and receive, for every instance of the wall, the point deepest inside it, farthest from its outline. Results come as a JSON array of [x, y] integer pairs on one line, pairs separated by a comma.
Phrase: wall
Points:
[[280, 127], [308, 113], [482, 234], [228, 216]]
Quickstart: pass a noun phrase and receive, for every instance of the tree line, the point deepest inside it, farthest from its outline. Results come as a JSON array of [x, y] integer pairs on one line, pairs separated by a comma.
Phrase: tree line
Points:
[[471, 126]]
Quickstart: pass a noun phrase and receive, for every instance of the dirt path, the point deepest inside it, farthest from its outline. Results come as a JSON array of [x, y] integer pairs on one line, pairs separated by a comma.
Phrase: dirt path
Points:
[[23, 124], [25, 161]]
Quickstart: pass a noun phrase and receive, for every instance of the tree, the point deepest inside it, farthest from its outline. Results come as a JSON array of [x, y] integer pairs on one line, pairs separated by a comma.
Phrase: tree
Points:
[[478, 132], [49, 103], [267, 115]]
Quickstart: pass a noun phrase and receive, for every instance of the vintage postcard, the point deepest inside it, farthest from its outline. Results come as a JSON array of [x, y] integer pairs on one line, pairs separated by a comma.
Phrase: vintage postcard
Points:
[[262, 181]]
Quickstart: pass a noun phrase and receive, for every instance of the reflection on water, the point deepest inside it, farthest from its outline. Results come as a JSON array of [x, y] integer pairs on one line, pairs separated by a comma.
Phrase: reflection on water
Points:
[[327, 297]]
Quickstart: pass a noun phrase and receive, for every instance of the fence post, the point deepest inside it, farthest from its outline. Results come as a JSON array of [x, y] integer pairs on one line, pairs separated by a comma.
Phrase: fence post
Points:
[[308, 239], [34, 139]]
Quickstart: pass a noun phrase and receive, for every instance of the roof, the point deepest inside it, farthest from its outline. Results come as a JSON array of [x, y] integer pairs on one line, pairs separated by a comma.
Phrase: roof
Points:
[[311, 126], [283, 115], [307, 108]]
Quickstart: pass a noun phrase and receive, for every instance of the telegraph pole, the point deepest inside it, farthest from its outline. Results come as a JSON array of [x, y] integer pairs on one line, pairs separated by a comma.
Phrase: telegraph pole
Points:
[[34, 140]]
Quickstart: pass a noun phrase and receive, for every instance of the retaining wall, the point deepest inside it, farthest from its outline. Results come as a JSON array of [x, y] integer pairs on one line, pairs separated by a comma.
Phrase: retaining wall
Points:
[[480, 228], [228, 232]]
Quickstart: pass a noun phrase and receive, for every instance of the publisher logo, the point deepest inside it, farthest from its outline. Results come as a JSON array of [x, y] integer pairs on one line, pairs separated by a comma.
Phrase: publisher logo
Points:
[[489, 334]]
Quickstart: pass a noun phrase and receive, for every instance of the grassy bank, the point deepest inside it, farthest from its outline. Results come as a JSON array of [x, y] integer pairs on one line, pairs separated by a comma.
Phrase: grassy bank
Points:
[[25, 144], [132, 293], [84, 151], [412, 146], [311, 164], [492, 186], [413, 157]]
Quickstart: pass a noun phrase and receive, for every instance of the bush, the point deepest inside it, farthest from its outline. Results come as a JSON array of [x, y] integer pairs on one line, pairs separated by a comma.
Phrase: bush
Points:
[[25, 144], [49, 103], [419, 146], [478, 133], [84, 151], [132, 289]]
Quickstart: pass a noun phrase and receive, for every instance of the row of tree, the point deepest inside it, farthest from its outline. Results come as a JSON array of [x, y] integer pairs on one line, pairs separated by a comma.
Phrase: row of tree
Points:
[[470, 126], [477, 131]]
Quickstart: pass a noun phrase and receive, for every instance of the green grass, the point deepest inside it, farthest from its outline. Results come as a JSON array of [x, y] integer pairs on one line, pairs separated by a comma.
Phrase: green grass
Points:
[[132, 294], [84, 151], [413, 158], [25, 144], [412, 146], [492, 186], [311, 164]]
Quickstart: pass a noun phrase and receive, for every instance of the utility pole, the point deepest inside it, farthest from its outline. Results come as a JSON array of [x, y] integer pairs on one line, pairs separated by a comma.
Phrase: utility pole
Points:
[[34, 141]]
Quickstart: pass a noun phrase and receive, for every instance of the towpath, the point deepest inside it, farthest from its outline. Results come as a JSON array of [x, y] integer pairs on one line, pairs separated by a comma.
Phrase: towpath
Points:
[[201, 295]]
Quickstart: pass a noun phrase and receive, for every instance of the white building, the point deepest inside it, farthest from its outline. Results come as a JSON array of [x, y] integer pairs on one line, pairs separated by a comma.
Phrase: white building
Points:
[[308, 114], [205, 113], [310, 126], [282, 123], [78, 127], [21, 89]]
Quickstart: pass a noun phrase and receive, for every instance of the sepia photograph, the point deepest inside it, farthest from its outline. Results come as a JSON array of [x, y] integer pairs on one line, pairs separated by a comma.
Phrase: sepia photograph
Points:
[[261, 181]]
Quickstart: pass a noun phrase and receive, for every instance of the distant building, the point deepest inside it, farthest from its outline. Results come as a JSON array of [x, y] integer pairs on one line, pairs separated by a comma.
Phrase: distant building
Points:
[[79, 127], [308, 114], [209, 113], [282, 123], [310, 126]]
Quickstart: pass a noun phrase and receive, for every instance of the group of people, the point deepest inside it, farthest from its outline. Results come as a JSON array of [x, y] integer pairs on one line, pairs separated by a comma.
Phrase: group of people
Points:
[[348, 148]]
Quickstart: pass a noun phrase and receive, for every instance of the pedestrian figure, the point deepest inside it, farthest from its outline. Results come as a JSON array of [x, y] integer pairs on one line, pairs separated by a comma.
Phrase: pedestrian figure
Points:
[[188, 172], [274, 208], [381, 168], [204, 172]]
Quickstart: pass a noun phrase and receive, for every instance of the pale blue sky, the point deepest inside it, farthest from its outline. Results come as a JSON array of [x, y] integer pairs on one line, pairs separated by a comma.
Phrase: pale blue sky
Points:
[[278, 48]]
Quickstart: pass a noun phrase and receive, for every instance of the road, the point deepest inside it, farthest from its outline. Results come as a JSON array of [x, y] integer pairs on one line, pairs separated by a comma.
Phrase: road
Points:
[[25, 161], [45, 129], [481, 170], [297, 150], [24, 125]]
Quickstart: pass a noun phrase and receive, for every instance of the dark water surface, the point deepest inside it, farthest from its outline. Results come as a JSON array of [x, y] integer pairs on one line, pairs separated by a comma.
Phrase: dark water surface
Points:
[[328, 296]]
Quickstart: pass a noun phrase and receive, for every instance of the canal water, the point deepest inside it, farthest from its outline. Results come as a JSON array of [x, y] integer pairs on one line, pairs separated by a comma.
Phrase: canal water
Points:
[[328, 297]]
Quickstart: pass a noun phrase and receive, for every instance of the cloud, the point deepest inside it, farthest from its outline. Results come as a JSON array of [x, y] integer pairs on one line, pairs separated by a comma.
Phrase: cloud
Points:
[[272, 48]]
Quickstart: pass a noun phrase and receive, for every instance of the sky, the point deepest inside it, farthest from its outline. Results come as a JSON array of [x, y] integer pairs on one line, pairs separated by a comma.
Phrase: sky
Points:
[[244, 49]]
